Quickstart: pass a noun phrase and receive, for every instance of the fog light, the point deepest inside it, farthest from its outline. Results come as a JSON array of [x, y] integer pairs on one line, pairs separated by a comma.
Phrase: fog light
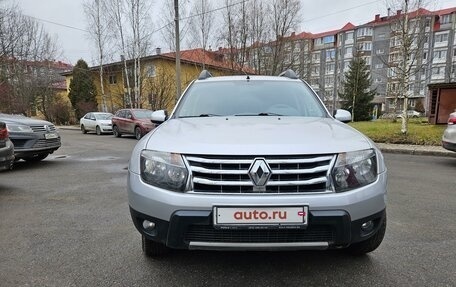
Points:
[[367, 226], [147, 225]]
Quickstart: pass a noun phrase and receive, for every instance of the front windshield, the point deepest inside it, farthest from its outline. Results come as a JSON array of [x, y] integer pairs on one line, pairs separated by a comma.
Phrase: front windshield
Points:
[[142, 114], [106, 116], [250, 98]]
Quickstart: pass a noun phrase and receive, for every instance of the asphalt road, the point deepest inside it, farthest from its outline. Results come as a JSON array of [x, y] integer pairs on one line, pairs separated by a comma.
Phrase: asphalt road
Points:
[[65, 222]]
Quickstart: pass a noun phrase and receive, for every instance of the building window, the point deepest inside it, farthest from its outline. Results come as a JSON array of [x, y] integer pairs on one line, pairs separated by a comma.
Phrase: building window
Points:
[[318, 42], [368, 60], [150, 70], [445, 19], [365, 46], [330, 68], [316, 57], [349, 51], [330, 54], [328, 39], [112, 79], [380, 52], [381, 36], [443, 37], [349, 36], [362, 32], [379, 66], [440, 54], [438, 70]]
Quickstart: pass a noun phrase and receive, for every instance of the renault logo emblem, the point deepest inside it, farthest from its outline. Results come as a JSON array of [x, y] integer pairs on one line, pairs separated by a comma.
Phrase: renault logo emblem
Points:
[[259, 172]]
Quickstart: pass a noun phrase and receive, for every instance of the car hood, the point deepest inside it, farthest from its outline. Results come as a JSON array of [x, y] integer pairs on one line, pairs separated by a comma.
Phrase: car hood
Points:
[[12, 119], [256, 136]]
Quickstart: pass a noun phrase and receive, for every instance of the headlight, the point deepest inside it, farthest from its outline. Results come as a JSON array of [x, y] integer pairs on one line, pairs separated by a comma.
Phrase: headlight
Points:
[[165, 170], [354, 169], [19, 128]]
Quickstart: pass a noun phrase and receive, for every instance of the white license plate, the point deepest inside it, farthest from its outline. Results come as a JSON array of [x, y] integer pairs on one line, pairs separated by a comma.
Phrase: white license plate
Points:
[[261, 216], [51, 136]]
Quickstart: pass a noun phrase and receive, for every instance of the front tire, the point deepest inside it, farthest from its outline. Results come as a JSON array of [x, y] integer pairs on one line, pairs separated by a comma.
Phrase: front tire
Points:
[[83, 130], [152, 248], [115, 131], [98, 130], [138, 134], [370, 244]]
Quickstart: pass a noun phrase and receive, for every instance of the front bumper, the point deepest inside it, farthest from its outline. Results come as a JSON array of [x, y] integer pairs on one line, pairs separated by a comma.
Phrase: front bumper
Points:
[[30, 144], [184, 220], [193, 229]]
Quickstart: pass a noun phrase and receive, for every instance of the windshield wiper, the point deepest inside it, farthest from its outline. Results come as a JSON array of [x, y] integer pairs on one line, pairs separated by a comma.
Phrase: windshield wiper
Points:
[[269, 114], [201, 116], [260, 114]]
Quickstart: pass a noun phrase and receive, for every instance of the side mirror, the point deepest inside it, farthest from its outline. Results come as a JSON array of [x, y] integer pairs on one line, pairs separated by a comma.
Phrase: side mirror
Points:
[[159, 116], [342, 115]]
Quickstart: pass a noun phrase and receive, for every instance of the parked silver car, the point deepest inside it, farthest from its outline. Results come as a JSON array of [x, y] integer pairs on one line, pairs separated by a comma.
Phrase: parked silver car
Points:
[[256, 163], [449, 135], [97, 122]]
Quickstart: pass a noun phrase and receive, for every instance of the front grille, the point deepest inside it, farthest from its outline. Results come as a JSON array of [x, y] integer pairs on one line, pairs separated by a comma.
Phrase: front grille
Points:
[[43, 143], [43, 128], [289, 174], [206, 233]]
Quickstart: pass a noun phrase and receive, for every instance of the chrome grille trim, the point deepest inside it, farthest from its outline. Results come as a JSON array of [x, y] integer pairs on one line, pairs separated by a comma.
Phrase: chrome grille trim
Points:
[[290, 174], [249, 183], [41, 128]]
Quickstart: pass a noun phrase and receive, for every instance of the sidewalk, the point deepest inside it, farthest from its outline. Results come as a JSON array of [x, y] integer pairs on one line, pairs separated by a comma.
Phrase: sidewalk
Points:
[[386, 148]]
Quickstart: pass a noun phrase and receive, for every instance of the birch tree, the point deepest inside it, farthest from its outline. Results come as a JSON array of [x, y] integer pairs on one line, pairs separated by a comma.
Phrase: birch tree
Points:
[[406, 51], [98, 25]]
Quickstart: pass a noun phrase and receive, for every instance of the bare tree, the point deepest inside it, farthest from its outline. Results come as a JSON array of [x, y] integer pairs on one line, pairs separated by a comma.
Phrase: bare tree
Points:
[[98, 25], [117, 11], [138, 17], [202, 23], [167, 19], [235, 31], [24, 47], [406, 54], [285, 18], [258, 34]]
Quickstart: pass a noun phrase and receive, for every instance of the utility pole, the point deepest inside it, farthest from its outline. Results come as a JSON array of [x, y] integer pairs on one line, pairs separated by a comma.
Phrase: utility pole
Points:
[[178, 67]]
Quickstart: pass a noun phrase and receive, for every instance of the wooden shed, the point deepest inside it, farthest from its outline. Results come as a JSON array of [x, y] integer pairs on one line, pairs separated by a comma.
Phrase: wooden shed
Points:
[[442, 102]]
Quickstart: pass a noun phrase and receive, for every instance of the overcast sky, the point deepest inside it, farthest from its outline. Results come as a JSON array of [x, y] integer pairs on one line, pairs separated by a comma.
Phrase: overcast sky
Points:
[[318, 16]]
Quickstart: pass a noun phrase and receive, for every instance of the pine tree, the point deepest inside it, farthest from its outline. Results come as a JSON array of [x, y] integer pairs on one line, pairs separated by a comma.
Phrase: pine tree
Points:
[[356, 95], [82, 90]]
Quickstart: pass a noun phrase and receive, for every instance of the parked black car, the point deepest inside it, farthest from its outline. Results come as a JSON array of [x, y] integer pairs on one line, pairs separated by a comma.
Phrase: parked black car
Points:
[[33, 139], [6, 148]]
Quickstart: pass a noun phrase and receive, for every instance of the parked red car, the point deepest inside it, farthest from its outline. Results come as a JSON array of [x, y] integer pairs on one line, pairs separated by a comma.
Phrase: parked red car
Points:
[[135, 122]]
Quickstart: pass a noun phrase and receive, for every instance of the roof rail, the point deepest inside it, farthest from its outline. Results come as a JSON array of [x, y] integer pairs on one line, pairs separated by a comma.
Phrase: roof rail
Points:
[[204, 75], [289, 74]]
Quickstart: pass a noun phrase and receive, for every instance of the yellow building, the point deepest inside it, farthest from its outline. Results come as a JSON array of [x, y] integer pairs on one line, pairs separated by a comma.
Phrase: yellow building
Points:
[[157, 79]]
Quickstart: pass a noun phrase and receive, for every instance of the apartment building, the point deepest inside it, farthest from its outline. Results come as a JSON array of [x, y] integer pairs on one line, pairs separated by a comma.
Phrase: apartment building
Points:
[[322, 59]]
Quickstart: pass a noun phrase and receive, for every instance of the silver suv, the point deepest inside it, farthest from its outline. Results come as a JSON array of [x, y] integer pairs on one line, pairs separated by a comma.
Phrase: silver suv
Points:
[[256, 163]]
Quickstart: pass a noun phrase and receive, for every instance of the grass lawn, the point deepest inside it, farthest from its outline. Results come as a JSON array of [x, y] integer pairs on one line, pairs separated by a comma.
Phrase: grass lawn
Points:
[[387, 131]]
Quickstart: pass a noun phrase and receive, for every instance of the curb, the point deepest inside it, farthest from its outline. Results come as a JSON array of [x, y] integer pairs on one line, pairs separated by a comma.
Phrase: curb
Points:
[[415, 150]]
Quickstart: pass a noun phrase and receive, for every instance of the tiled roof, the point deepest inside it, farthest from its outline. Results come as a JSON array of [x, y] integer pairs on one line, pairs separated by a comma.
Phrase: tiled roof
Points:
[[209, 58], [445, 11], [347, 27], [387, 19]]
